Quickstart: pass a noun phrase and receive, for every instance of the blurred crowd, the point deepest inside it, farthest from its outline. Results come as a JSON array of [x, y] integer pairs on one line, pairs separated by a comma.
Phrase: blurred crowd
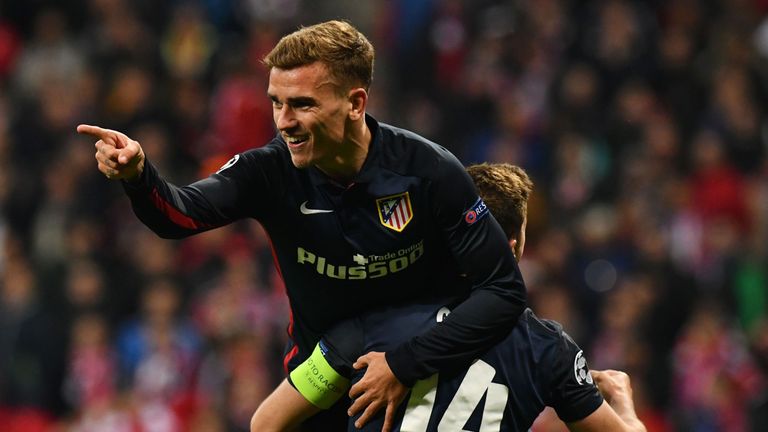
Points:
[[644, 126]]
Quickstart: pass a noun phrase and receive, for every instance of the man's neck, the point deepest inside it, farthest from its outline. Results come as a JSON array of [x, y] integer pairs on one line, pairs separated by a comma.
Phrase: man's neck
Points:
[[344, 166]]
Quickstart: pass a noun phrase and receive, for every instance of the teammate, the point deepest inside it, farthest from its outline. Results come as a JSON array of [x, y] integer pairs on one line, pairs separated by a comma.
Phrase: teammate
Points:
[[361, 214], [504, 390]]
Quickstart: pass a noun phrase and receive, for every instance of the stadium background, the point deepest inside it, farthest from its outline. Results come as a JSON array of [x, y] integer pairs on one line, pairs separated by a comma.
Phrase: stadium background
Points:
[[643, 125]]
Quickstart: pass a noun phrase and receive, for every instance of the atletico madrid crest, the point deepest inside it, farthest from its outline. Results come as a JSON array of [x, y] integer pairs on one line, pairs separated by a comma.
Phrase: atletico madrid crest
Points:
[[395, 211]]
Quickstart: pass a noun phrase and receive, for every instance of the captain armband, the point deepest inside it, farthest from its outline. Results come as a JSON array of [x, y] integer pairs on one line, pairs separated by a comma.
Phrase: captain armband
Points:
[[318, 382]]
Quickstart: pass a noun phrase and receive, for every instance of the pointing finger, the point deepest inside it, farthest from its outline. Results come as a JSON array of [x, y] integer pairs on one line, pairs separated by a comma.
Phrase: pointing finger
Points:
[[95, 131], [108, 136]]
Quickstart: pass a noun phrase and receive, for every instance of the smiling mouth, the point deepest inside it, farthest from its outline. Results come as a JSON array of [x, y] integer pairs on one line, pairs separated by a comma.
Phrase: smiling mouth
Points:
[[295, 141]]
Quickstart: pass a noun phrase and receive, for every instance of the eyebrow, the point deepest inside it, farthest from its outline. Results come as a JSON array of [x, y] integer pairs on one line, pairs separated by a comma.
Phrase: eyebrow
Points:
[[298, 100]]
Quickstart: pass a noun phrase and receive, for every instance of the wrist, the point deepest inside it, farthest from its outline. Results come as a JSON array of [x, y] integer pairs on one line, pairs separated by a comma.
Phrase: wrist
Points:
[[136, 177], [626, 411]]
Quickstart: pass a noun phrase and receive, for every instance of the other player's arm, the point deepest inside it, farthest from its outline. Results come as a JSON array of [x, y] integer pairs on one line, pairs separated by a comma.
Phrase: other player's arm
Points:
[[588, 401], [617, 412]]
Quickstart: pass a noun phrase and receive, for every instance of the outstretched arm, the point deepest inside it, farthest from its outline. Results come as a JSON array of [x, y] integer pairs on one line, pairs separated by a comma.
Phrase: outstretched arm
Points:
[[179, 211], [617, 413]]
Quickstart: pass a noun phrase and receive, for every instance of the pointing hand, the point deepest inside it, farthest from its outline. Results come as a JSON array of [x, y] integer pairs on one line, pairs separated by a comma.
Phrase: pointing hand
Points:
[[118, 156]]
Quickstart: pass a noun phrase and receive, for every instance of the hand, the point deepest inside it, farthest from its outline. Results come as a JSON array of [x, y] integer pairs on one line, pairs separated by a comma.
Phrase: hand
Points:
[[617, 391], [613, 385], [378, 388], [118, 156]]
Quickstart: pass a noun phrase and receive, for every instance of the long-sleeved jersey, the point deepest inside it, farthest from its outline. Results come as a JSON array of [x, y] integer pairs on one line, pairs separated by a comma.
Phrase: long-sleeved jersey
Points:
[[505, 389], [407, 229]]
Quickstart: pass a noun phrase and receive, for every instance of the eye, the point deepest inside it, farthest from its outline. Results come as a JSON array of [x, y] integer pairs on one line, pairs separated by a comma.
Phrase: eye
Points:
[[302, 105]]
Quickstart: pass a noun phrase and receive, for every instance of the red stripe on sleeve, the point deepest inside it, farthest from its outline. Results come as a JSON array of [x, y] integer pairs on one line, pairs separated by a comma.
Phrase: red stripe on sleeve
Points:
[[174, 214]]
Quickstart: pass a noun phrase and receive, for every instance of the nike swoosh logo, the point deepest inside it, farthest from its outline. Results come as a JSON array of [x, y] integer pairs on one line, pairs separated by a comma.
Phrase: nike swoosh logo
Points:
[[309, 211]]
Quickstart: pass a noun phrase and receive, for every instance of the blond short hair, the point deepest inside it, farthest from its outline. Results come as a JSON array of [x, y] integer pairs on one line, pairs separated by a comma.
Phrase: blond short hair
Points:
[[505, 189], [347, 53]]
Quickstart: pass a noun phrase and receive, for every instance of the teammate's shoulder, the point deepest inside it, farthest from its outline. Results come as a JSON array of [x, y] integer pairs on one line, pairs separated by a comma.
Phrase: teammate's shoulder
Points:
[[547, 336], [542, 325], [553, 340]]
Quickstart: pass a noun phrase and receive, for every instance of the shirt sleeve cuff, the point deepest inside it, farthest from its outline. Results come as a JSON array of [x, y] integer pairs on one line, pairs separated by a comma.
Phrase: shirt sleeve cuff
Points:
[[140, 183], [400, 361]]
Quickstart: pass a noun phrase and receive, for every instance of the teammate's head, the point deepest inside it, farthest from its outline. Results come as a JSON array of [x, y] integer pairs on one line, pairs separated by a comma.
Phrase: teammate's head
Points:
[[346, 53], [505, 189]]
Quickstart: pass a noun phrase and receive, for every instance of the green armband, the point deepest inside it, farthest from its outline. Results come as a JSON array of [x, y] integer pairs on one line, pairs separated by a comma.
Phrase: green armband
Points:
[[318, 382]]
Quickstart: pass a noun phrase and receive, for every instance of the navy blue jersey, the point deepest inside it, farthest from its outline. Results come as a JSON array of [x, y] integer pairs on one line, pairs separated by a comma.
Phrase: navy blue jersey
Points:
[[505, 389], [405, 230]]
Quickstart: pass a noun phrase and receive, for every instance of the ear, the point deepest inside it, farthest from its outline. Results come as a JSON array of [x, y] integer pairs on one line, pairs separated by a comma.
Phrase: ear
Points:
[[512, 244], [358, 99]]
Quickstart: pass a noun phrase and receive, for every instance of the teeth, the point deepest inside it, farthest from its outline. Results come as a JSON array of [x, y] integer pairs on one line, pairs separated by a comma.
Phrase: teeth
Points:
[[294, 140]]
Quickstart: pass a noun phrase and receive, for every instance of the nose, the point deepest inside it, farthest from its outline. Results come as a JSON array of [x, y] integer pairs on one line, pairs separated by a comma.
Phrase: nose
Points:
[[284, 118]]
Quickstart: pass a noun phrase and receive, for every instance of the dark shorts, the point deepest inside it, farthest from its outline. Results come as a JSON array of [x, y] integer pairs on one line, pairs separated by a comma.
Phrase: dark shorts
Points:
[[331, 420]]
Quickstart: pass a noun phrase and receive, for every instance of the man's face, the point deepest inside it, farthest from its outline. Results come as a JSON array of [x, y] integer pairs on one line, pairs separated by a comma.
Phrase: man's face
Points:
[[309, 112]]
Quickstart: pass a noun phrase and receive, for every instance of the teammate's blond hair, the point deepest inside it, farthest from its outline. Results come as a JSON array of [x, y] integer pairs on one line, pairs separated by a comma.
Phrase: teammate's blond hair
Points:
[[505, 189]]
